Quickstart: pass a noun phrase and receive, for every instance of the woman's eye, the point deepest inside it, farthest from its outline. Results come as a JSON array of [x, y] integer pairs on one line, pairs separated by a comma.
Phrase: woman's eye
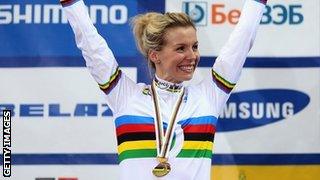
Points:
[[180, 48], [195, 47]]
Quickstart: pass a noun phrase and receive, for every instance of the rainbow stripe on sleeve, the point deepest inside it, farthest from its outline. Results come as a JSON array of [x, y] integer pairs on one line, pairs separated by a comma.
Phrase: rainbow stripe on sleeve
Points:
[[136, 137], [223, 84], [108, 86]]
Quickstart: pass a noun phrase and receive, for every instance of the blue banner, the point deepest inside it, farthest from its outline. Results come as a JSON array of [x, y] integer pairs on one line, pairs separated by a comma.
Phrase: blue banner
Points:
[[38, 28]]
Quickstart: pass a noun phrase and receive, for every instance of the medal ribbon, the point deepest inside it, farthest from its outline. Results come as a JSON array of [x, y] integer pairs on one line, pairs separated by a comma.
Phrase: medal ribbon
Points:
[[163, 141]]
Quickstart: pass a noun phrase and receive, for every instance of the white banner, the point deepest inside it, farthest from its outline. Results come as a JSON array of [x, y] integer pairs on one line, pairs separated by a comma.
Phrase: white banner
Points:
[[58, 109], [288, 29], [292, 126]]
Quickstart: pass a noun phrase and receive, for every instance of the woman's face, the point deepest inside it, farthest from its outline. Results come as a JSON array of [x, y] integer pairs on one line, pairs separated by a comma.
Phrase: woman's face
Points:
[[179, 57]]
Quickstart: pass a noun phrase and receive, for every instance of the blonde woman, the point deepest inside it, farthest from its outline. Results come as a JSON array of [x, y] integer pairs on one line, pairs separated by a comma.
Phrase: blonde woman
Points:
[[165, 130]]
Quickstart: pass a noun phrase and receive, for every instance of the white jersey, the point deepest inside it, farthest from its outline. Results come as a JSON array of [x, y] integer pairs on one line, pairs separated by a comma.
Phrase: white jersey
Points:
[[191, 149]]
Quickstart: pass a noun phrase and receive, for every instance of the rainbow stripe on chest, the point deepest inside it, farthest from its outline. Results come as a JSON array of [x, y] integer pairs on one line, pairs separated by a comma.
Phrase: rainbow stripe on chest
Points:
[[136, 137]]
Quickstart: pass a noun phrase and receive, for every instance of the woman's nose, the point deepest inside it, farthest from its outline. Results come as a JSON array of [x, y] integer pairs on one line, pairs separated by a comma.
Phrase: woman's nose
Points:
[[192, 54]]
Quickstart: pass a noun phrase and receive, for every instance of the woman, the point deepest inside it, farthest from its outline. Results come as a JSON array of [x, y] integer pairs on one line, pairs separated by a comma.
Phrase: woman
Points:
[[165, 130]]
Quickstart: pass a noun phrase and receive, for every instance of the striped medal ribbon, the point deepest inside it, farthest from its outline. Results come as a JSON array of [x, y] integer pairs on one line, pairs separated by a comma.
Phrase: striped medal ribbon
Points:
[[164, 141]]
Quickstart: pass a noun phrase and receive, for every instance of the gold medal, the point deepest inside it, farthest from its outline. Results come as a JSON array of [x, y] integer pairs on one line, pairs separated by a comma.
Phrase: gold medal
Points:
[[161, 169]]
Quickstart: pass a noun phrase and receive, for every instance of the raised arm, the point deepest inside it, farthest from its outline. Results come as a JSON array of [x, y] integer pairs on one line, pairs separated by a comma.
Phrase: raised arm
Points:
[[227, 68], [100, 61]]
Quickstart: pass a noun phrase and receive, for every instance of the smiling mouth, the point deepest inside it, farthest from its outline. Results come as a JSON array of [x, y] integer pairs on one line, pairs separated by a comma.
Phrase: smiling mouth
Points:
[[187, 68]]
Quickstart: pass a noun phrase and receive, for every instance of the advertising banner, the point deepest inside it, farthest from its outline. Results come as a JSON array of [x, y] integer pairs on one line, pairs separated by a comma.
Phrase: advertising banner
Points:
[[288, 28]]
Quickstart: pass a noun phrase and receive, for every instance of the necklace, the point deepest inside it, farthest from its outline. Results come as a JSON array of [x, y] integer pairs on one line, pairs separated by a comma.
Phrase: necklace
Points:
[[163, 141]]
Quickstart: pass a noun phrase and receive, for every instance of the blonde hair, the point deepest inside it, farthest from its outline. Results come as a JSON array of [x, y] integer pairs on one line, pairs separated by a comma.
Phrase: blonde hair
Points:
[[149, 30]]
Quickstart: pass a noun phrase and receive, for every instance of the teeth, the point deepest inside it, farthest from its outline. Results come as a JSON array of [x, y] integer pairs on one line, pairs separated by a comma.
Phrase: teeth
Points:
[[186, 68]]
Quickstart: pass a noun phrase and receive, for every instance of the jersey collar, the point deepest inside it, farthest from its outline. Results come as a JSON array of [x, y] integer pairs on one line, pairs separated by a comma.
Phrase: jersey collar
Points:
[[168, 86]]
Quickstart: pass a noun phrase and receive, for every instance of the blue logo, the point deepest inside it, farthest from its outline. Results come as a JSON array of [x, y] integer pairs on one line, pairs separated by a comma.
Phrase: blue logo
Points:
[[256, 108], [197, 11], [56, 110]]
